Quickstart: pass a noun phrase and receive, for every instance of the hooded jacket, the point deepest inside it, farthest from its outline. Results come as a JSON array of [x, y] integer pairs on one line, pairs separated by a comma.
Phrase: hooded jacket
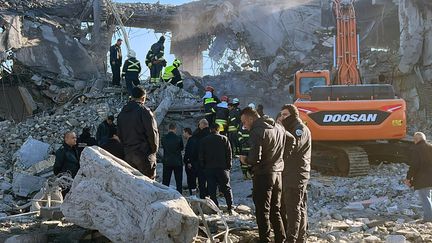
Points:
[[420, 166], [137, 129], [268, 144], [297, 164]]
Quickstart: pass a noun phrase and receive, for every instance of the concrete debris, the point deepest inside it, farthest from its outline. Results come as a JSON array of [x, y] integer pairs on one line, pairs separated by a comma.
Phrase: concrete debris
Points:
[[23, 185], [107, 189], [31, 152]]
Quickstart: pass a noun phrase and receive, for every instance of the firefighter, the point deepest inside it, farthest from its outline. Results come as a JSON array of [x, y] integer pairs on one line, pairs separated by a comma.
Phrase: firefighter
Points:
[[210, 101], [222, 115], [234, 124], [131, 71], [116, 62], [172, 74], [155, 60]]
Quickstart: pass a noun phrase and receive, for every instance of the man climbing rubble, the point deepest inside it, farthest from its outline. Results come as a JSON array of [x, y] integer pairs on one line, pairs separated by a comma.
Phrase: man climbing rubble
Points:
[[116, 62], [131, 71], [295, 176], [137, 130], [267, 141], [210, 101], [155, 60], [419, 173], [172, 74], [222, 114]]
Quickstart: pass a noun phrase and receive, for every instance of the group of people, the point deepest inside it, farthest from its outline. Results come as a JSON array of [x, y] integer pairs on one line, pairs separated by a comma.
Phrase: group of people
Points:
[[132, 67], [277, 155]]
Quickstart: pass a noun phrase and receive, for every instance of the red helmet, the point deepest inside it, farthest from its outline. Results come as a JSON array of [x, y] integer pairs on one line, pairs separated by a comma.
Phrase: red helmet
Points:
[[209, 88], [224, 98]]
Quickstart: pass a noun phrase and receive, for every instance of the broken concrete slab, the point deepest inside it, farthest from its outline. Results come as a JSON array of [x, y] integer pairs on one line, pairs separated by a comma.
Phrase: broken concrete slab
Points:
[[23, 185], [31, 152], [125, 206]]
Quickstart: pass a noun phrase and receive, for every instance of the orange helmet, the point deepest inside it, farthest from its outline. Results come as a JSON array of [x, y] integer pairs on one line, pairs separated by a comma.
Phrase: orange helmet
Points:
[[209, 88], [224, 98]]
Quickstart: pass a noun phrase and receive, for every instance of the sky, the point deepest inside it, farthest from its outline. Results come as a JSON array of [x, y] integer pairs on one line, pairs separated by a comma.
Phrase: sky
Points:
[[141, 39]]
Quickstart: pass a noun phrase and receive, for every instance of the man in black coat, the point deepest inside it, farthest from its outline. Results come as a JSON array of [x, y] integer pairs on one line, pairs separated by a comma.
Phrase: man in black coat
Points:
[[116, 62], [138, 132], [172, 160], [67, 159], [187, 159], [202, 132], [419, 173], [295, 176], [215, 157], [114, 146], [268, 144], [105, 129]]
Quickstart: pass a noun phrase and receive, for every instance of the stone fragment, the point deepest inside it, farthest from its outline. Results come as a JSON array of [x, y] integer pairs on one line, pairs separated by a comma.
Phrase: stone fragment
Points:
[[23, 185], [109, 195], [31, 152], [372, 239], [395, 239]]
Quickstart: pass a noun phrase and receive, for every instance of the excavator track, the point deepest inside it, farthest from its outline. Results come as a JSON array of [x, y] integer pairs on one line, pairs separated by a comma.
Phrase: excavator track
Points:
[[340, 160]]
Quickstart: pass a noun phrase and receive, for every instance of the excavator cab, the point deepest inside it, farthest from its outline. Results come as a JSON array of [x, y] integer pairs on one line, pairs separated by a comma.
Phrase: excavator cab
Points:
[[304, 81]]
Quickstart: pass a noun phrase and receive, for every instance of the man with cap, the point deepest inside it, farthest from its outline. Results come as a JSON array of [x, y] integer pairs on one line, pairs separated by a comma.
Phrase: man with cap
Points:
[[234, 124], [137, 130], [172, 74], [116, 61], [155, 60], [131, 71]]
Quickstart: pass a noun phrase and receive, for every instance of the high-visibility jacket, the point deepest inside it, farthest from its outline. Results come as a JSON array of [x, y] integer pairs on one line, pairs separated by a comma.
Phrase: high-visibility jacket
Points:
[[172, 75], [210, 101], [244, 141], [234, 120], [222, 115], [131, 68]]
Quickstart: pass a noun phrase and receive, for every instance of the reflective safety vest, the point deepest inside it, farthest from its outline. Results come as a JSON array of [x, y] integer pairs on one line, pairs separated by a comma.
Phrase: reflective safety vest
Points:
[[244, 141], [168, 73], [133, 66]]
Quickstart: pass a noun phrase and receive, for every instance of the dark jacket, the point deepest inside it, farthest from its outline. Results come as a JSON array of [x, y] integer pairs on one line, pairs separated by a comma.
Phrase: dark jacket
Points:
[[243, 135], [215, 152], [234, 120], [115, 54], [198, 136], [131, 69], [87, 139], [114, 147], [103, 132], [191, 144], [66, 160], [156, 52], [137, 129], [267, 146], [420, 167], [172, 147], [298, 164]]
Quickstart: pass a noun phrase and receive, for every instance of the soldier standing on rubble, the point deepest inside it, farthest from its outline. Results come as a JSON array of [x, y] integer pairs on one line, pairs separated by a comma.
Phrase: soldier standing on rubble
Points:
[[295, 176], [267, 140], [419, 173], [137, 130], [116, 62], [155, 60]]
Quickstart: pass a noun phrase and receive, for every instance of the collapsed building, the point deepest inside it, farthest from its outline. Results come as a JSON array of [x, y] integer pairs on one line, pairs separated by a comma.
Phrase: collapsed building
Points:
[[59, 75]]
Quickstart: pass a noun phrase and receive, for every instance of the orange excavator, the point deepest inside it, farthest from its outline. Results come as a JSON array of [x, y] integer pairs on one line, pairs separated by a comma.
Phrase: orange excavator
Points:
[[351, 123]]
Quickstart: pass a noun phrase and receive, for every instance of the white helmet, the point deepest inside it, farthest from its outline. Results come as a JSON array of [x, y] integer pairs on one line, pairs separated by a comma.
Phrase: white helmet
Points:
[[252, 105], [131, 53]]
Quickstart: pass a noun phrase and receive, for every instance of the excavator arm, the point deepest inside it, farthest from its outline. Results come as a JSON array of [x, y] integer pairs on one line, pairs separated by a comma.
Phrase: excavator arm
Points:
[[346, 47]]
